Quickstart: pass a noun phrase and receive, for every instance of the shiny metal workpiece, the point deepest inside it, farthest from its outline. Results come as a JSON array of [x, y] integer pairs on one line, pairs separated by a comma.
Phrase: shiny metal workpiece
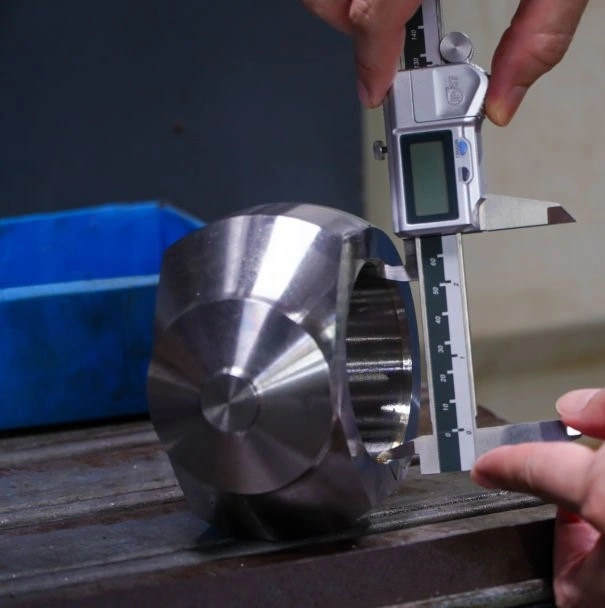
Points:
[[286, 360]]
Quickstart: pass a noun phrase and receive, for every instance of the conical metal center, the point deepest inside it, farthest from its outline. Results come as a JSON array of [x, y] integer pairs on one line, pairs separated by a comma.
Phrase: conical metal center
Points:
[[229, 403]]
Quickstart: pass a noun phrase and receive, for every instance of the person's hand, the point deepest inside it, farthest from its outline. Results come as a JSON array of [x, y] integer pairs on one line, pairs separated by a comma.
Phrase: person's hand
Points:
[[573, 477], [537, 39]]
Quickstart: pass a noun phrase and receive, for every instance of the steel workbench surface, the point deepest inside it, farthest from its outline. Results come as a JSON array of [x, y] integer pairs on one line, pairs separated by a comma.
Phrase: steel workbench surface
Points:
[[94, 517]]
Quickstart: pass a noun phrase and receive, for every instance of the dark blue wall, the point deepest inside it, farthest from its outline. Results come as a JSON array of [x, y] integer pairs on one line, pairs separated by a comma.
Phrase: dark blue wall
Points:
[[212, 105]]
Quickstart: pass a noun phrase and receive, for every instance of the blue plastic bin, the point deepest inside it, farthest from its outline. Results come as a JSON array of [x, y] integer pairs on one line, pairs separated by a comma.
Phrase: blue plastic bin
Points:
[[77, 298]]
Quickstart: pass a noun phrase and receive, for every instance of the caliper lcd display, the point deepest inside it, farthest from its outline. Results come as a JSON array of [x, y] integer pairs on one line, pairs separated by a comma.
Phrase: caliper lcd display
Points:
[[429, 177]]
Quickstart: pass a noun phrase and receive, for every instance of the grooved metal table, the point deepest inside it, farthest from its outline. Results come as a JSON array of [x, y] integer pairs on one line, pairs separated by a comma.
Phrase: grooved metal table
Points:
[[95, 517]]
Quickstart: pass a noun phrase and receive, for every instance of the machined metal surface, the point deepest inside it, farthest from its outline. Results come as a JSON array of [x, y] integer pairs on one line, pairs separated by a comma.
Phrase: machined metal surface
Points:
[[284, 363]]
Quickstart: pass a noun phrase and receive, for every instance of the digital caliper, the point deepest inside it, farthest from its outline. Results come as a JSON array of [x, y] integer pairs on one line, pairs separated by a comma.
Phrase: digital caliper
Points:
[[433, 115]]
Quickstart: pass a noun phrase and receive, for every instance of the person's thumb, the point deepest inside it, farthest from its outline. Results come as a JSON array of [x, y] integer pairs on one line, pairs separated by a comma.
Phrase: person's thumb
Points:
[[537, 39], [378, 28], [584, 410]]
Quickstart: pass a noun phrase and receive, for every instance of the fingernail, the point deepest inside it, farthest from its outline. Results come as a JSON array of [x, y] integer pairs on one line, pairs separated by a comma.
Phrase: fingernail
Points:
[[480, 478], [576, 401], [484, 481], [504, 109], [364, 95]]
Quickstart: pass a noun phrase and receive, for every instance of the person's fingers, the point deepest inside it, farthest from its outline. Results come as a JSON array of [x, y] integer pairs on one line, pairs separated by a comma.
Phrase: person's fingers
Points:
[[570, 475], [584, 585], [584, 410], [378, 28], [575, 541], [537, 39], [333, 12]]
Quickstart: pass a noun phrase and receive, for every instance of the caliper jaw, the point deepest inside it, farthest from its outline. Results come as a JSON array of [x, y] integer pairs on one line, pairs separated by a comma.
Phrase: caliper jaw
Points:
[[498, 212]]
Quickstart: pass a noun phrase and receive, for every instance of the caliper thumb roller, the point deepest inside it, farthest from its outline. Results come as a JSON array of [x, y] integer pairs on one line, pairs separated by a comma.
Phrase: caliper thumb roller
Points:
[[285, 377]]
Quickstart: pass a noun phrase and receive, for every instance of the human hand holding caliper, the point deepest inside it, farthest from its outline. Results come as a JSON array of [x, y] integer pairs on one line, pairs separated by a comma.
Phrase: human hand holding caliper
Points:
[[537, 39], [573, 476]]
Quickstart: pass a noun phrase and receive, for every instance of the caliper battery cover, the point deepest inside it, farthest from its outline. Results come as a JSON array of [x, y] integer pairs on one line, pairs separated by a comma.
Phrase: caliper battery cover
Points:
[[284, 363]]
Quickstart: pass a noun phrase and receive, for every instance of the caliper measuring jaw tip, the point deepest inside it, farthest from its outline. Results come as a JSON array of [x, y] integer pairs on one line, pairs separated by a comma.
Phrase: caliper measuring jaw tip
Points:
[[499, 212], [486, 439]]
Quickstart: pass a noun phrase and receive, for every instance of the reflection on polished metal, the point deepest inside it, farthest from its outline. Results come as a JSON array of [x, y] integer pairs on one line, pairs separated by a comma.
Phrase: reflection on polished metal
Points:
[[285, 361]]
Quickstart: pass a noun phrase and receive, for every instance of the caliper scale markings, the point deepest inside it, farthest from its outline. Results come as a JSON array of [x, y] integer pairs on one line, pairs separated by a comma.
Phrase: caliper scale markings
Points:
[[448, 361], [415, 51]]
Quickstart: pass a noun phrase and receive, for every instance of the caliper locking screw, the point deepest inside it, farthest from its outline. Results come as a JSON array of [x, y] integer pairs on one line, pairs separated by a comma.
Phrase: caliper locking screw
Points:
[[379, 149]]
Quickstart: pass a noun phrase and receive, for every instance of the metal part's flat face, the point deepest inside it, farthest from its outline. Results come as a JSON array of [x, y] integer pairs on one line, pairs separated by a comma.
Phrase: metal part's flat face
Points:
[[249, 396]]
